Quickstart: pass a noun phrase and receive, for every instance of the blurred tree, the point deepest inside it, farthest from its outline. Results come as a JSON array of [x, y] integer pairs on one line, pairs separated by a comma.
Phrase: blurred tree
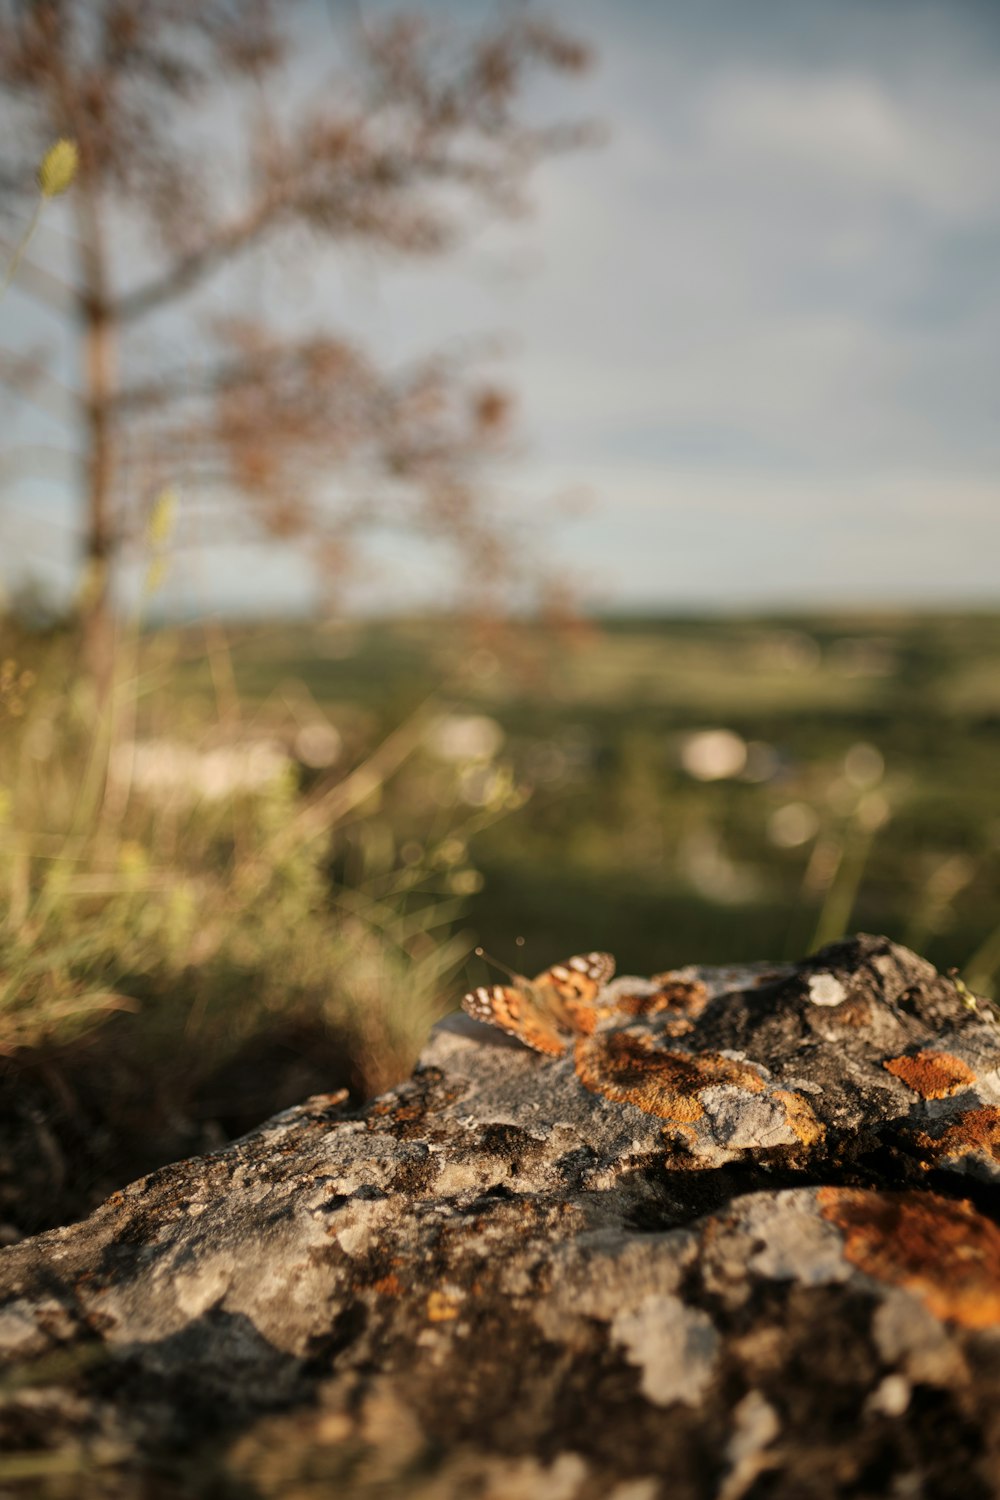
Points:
[[426, 124]]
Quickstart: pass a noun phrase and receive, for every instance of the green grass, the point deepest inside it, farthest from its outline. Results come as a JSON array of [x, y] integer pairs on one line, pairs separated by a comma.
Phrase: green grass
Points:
[[607, 852], [211, 912]]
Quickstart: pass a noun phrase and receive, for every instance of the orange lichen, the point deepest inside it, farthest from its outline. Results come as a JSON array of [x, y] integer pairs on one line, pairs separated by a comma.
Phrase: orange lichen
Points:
[[932, 1075], [681, 1001], [388, 1286], [857, 1012], [441, 1308], [406, 1113], [800, 1117], [687, 997], [976, 1130], [634, 1070], [942, 1251]]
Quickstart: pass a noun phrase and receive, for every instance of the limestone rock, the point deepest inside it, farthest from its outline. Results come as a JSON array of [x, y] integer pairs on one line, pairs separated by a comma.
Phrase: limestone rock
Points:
[[740, 1241]]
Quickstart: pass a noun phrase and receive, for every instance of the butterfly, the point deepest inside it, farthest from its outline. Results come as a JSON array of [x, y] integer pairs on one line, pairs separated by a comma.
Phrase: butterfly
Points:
[[546, 1012]]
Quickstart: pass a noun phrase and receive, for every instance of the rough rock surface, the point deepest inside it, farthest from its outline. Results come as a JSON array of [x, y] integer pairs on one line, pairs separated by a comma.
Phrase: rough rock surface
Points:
[[740, 1241]]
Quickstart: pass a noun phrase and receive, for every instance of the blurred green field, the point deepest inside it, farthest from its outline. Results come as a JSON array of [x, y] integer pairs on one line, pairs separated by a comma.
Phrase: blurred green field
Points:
[[263, 869], [870, 796]]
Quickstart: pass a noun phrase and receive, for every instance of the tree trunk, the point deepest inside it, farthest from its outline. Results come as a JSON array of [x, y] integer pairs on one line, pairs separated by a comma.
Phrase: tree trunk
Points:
[[98, 458], [96, 619]]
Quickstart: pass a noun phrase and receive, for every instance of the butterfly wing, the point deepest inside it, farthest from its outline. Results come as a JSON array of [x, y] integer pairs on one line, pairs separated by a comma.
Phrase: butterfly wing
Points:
[[519, 1014], [570, 990]]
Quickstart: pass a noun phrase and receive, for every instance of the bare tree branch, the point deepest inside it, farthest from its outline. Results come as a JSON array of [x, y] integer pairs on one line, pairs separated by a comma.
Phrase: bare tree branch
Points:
[[192, 268], [28, 378]]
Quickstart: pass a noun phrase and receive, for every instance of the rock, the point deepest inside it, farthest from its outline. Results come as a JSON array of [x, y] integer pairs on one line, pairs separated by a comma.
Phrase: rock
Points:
[[740, 1241]]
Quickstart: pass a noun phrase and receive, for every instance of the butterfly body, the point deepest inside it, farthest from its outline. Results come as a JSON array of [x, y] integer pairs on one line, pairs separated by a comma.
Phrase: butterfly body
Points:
[[547, 1012]]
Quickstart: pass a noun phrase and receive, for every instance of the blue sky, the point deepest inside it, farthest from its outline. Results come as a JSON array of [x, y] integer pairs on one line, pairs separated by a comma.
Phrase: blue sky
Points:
[[756, 334]]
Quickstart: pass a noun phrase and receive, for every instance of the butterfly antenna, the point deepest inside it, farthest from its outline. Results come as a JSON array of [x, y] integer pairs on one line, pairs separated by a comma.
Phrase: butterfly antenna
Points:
[[504, 968]]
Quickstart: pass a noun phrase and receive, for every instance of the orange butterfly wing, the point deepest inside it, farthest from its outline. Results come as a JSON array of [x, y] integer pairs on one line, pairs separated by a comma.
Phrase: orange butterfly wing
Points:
[[571, 989], [518, 1014], [545, 1012]]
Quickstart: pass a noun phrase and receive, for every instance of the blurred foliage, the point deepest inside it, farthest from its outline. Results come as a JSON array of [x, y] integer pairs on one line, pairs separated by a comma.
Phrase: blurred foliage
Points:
[[235, 885], [860, 790]]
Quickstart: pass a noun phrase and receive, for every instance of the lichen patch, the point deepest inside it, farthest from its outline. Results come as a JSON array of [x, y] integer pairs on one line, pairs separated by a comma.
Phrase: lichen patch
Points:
[[633, 1070], [945, 1252], [932, 1075], [674, 1346], [443, 1305], [681, 997], [826, 990], [799, 1116], [975, 1131]]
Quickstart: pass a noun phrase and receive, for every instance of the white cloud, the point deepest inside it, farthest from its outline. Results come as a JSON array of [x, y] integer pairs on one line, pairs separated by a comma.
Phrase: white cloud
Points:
[[845, 124], [856, 131]]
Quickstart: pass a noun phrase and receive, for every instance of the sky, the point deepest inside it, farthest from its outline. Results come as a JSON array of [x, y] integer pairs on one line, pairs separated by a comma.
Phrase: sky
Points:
[[754, 334]]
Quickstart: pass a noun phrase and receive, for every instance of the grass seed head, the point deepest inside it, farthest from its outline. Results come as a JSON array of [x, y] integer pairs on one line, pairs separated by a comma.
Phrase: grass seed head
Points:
[[58, 168]]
